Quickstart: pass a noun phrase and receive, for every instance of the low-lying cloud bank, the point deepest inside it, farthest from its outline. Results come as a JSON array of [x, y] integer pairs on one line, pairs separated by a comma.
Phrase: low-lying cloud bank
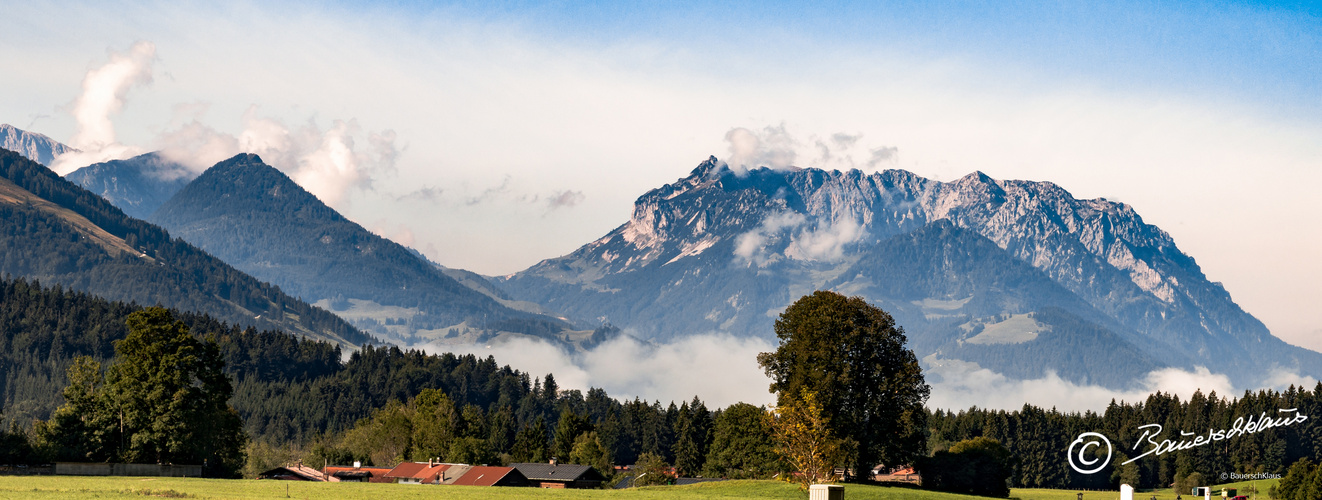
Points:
[[958, 385], [722, 370]]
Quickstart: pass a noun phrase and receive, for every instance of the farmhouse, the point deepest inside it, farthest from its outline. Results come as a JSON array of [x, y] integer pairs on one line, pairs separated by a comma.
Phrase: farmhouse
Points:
[[418, 473], [555, 475], [293, 472], [357, 474], [491, 476]]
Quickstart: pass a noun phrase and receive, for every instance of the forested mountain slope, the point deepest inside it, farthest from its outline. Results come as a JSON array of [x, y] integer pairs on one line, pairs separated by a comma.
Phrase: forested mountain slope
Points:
[[262, 222], [59, 233]]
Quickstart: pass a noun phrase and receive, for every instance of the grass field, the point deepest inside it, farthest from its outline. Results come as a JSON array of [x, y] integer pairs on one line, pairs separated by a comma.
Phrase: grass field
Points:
[[73, 487]]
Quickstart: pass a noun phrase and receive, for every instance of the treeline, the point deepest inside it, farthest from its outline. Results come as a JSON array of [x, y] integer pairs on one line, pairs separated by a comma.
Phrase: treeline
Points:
[[302, 396], [293, 392], [1038, 439]]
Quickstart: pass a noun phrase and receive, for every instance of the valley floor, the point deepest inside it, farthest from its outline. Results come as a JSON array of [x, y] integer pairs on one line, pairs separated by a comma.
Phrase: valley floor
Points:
[[73, 487]]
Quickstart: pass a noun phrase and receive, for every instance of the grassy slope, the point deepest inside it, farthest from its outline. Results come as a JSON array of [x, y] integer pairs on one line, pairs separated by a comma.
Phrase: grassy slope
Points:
[[41, 487]]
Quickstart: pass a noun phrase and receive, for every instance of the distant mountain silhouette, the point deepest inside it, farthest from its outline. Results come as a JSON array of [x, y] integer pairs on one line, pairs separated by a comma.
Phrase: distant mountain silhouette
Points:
[[138, 185], [59, 233], [262, 222]]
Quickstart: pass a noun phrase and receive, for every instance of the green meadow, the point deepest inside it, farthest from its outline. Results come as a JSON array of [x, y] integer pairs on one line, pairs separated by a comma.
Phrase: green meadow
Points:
[[76, 487]]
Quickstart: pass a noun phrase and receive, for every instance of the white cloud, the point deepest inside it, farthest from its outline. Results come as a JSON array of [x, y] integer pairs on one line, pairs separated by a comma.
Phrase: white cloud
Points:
[[958, 385], [324, 162], [718, 368], [825, 243], [776, 147], [753, 247], [104, 92], [722, 370], [770, 147]]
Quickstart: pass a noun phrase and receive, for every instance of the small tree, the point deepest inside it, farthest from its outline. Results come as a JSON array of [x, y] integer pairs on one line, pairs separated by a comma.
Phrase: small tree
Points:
[[743, 445], [651, 470], [978, 466], [570, 426], [589, 451], [530, 443], [1185, 484], [804, 440], [1297, 483]]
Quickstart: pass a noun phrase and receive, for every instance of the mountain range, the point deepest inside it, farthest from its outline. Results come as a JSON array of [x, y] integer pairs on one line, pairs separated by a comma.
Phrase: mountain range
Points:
[[59, 233], [1016, 276]]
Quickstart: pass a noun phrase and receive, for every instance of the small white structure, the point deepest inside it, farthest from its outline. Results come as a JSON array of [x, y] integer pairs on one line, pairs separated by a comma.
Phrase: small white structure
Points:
[[1126, 492], [826, 492]]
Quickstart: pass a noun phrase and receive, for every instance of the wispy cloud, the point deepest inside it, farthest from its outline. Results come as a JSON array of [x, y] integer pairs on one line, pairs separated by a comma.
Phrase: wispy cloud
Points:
[[104, 91], [778, 148], [564, 199]]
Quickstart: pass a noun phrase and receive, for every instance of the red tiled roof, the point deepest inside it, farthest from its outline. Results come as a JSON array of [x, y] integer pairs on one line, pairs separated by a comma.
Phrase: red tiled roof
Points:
[[483, 476], [417, 470], [431, 472], [376, 471]]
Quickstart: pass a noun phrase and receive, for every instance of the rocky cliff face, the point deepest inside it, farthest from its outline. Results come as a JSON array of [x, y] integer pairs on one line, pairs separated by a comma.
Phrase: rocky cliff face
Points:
[[726, 251], [31, 145]]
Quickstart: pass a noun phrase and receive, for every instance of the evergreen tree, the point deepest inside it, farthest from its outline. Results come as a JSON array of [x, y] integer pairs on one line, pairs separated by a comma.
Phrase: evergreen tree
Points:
[[567, 430], [589, 451], [692, 435], [530, 443]]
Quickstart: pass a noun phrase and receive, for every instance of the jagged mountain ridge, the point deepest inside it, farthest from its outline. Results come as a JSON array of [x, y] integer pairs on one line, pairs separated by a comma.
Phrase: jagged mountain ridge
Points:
[[138, 185], [259, 220], [59, 233], [33, 146], [726, 251]]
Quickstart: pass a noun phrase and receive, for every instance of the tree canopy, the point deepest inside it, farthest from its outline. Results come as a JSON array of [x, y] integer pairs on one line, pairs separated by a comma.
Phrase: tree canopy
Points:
[[853, 357], [164, 400]]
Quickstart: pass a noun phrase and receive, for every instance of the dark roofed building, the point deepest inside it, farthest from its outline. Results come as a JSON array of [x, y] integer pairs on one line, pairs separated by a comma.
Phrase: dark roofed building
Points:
[[348, 474], [491, 476], [555, 475], [297, 472]]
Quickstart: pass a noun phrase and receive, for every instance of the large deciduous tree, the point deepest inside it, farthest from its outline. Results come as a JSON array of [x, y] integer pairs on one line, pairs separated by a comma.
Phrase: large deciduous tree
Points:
[[164, 400], [852, 356]]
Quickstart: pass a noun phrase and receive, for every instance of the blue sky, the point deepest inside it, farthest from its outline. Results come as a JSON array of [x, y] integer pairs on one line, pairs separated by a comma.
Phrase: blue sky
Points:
[[1260, 52], [493, 135]]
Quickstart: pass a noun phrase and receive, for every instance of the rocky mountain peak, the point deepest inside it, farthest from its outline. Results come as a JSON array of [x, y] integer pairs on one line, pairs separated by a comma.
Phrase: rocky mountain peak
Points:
[[800, 228], [33, 146]]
